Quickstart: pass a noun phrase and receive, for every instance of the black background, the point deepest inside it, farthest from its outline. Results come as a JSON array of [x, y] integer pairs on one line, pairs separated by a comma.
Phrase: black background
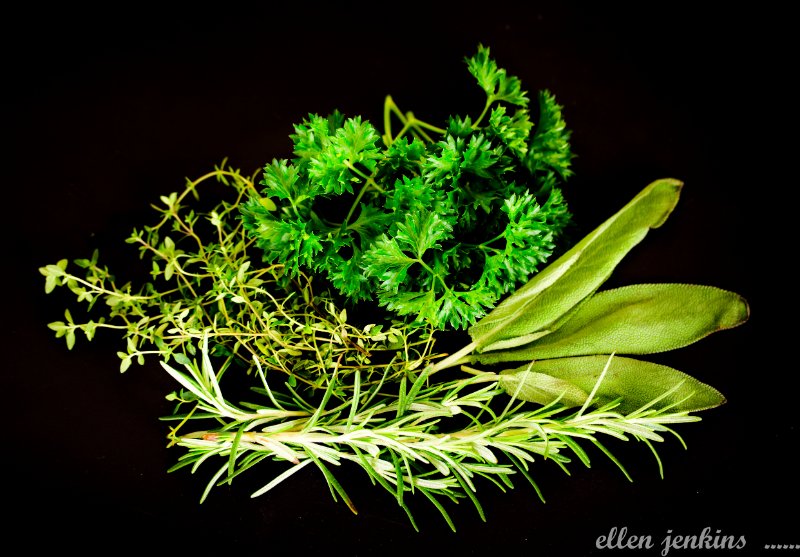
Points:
[[107, 110]]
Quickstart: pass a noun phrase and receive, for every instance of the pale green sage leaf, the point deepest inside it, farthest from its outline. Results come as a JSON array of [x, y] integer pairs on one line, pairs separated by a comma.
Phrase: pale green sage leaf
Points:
[[638, 319], [541, 388], [559, 287], [637, 383]]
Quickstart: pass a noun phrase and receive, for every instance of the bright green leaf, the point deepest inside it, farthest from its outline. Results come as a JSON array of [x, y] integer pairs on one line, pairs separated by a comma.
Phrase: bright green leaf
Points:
[[494, 81], [181, 358], [549, 145], [280, 180], [59, 327], [50, 283]]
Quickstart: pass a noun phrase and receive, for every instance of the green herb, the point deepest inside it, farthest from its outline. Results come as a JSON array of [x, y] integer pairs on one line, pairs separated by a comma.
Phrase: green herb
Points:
[[557, 377], [439, 223]]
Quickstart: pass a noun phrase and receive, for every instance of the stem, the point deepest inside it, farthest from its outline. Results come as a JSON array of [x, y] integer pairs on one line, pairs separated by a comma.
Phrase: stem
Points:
[[355, 202], [100, 290], [485, 245], [194, 183], [433, 273], [417, 125], [489, 102], [212, 174], [408, 120], [428, 126], [387, 120], [455, 358], [369, 182], [489, 375]]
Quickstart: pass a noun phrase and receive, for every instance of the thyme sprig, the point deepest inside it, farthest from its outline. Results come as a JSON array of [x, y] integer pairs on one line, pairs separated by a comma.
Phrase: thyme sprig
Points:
[[208, 288]]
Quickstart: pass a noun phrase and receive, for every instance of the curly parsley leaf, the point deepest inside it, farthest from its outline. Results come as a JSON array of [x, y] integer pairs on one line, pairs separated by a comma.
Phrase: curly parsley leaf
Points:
[[312, 136], [436, 224], [333, 166], [549, 147], [512, 130], [346, 275], [499, 86], [281, 180], [289, 240]]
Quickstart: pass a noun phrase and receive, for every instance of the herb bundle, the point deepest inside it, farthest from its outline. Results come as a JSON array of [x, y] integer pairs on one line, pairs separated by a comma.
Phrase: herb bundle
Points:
[[256, 292]]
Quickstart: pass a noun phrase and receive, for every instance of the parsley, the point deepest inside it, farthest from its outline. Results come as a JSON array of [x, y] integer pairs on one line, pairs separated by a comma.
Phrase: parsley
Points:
[[437, 229]]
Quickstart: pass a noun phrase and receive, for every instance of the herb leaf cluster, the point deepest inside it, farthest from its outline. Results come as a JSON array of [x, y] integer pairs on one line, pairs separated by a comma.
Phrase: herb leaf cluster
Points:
[[436, 229]]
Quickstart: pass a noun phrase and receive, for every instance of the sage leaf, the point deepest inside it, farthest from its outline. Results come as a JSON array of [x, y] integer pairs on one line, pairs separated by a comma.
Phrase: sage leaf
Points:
[[637, 383], [575, 275], [541, 388], [638, 319]]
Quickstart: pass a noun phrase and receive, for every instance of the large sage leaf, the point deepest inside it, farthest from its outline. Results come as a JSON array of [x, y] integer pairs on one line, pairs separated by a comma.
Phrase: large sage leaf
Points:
[[636, 382], [638, 319], [532, 309]]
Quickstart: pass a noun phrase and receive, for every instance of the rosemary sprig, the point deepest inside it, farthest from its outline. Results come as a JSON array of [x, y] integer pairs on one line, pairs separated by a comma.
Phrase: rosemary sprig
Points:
[[450, 436]]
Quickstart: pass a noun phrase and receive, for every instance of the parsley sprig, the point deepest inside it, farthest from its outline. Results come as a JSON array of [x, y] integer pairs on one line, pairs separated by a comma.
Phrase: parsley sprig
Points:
[[437, 224]]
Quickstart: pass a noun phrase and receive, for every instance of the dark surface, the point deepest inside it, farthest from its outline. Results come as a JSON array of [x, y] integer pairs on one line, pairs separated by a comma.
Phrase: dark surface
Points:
[[107, 111]]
